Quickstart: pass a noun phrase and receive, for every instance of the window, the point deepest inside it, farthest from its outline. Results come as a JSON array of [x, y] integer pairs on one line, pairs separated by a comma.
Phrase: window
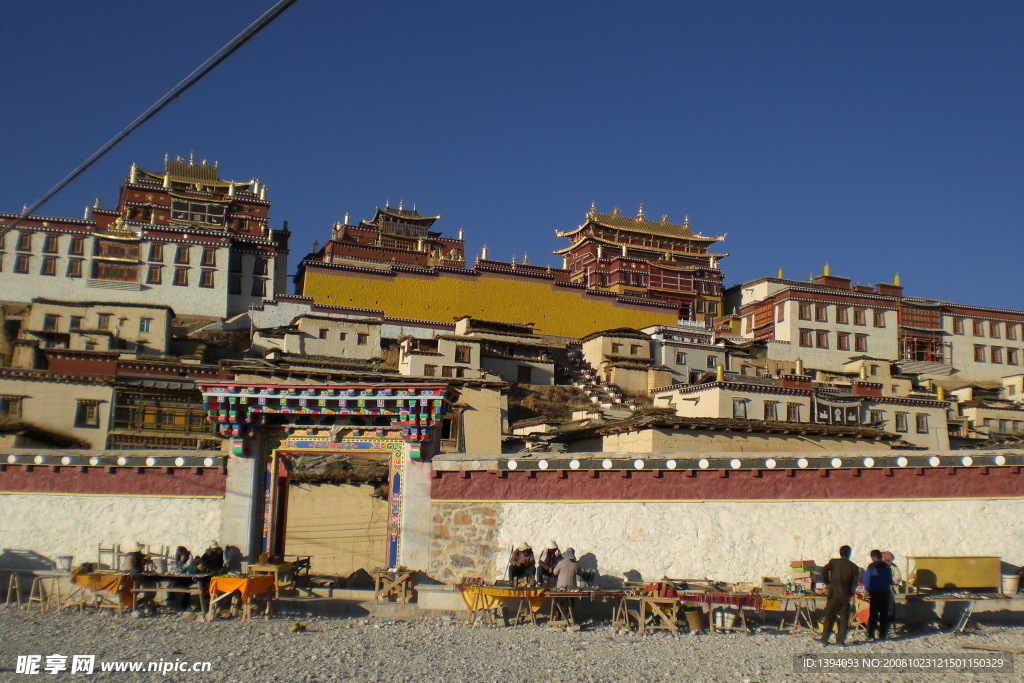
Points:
[[10, 407], [430, 370], [49, 266], [50, 244], [88, 414], [843, 341], [878, 318], [206, 276], [873, 370], [860, 343], [805, 338], [234, 284], [996, 354], [979, 328], [50, 322], [739, 409], [76, 323], [342, 336], [259, 287], [462, 354], [1011, 331], [821, 339], [156, 252], [75, 267], [21, 263], [993, 330], [204, 213], [634, 349], [209, 256], [103, 321], [77, 246], [858, 316], [155, 275], [680, 358], [362, 339], [322, 334], [145, 325], [24, 241], [181, 277], [235, 263], [876, 416], [958, 325], [616, 348], [712, 362], [921, 420], [1013, 356], [447, 371], [181, 255], [780, 312], [1004, 426], [792, 412], [821, 313], [842, 315], [771, 410], [979, 353], [460, 372], [805, 311], [901, 421], [259, 266]]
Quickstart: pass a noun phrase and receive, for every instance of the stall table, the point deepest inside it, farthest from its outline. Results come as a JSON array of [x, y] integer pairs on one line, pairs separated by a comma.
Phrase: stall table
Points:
[[171, 584], [282, 574], [389, 584], [487, 598], [108, 590], [222, 587]]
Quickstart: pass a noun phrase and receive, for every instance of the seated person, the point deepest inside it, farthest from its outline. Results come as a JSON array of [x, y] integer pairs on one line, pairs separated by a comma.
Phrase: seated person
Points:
[[522, 565], [213, 559], [567, 570], [549, 558], [136, 559], [181, 559]]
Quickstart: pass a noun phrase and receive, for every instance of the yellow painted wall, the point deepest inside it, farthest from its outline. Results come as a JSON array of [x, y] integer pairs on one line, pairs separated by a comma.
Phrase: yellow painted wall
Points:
[[490, 296]]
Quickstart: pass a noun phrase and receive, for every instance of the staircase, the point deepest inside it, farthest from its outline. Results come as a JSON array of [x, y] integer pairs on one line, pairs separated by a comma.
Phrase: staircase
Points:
[[578, 372]]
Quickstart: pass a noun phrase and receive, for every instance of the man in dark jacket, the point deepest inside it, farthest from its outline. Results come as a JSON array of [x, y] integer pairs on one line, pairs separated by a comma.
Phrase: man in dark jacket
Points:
[[840, 574], [878, 583]]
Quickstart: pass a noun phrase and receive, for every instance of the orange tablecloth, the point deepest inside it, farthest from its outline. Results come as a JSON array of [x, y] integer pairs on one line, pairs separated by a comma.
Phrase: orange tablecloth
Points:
[[247, 586], [488, 597], [115, 584]]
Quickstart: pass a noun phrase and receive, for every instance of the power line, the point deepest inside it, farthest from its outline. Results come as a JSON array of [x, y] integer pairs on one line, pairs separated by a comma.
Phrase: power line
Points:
[[190, 80]]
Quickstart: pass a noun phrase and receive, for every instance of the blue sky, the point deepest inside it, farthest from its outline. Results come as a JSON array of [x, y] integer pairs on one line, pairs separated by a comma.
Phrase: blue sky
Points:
[[880, 137]]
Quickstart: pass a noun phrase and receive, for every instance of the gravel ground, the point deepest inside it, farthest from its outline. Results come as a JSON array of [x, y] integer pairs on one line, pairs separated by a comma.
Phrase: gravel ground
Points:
[[447, 649]]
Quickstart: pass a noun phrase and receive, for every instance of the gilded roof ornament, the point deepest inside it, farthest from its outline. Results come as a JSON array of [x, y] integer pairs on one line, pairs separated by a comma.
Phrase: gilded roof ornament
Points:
[[593, 210], [686, 221], [616, 211], [664, 218], [640, 213]]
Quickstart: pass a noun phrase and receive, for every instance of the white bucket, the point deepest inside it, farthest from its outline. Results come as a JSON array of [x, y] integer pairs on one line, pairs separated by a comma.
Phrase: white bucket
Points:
[[64, 563], [725, 618], [1011, 582]]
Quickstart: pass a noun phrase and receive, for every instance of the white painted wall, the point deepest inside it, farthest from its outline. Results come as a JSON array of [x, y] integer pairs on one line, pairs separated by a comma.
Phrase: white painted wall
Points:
[[749, 540], [53, 525]]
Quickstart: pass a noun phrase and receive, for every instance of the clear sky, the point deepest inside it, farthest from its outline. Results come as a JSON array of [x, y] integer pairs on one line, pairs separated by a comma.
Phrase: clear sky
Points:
[[880, 137]]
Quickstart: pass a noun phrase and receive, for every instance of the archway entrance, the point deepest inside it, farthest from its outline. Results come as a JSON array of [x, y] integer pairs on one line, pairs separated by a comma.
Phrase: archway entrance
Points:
[[276, 427]]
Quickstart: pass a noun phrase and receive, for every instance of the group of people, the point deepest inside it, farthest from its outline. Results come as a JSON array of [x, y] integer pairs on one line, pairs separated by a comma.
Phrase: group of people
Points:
[[880, 579], [551, 567], [211, 561]]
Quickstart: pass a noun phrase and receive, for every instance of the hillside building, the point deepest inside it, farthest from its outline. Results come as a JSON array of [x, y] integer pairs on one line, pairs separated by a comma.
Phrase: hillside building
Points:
[[181, 235]]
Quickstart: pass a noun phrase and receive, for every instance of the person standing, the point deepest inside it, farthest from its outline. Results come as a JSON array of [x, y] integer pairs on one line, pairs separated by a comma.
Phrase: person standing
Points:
[[897, 583], [878, 583], [840, 574]]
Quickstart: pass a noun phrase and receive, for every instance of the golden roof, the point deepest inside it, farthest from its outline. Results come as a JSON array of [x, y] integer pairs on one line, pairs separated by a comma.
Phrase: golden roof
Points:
[[640, 224]]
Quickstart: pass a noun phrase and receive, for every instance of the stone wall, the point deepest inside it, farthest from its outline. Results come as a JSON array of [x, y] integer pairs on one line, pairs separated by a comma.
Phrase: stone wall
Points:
[[464, 541], [53, 525]]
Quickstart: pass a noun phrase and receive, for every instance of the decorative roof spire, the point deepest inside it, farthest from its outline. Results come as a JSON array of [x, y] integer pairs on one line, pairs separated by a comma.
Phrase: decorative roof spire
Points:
[[400, 203], [686, 221], [896, 280], [593, 210], [828, 271], [616, 211], [526, 259], [664, 218], [640, 213]]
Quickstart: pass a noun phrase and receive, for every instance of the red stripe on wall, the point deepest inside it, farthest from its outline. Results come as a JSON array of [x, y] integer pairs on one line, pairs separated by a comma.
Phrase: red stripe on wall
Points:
[[121, 481], [967, 482]]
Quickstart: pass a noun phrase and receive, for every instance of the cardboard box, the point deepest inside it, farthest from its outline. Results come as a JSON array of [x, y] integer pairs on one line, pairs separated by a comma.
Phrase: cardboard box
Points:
[[801, 565], [772, 585]]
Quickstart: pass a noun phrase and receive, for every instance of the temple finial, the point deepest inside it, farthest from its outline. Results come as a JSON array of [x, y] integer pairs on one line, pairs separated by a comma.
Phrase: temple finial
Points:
[[640, 213]]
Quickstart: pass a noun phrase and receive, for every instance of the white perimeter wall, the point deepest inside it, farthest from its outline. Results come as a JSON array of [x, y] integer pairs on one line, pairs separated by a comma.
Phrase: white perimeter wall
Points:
[[53, 525], [748, 540]]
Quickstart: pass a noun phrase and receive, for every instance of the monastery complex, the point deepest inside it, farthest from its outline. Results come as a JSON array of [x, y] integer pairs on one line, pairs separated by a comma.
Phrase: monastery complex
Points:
[[411, 404]]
